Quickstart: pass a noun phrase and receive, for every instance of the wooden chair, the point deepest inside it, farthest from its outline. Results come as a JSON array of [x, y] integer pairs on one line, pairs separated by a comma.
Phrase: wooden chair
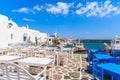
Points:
[[11, 71]]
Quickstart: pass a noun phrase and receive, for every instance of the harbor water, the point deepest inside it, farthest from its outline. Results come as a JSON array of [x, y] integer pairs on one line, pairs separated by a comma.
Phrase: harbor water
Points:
[[94, 45]]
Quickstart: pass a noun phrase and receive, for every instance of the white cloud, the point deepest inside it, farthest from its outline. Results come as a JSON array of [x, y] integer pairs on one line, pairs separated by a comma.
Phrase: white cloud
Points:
[[61, 7], [30, 20], [100, 9], [29, 10], [38, 8], [22, 10], [107, 9], [97, 9], [79, 5], [117, 11]]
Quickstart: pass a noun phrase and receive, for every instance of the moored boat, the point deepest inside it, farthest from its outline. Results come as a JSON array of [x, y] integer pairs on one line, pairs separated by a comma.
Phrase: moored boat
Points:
[[115, 43], [79, 47]]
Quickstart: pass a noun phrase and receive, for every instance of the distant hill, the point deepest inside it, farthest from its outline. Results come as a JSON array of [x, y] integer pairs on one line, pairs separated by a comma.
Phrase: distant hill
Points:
[[95, 40]]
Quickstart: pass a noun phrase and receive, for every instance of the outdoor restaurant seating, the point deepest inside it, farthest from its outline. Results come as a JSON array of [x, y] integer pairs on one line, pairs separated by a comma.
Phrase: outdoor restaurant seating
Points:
[[107, 71], [104, 66], [99, 56], [12, 71], [37, 63], [33, 62]]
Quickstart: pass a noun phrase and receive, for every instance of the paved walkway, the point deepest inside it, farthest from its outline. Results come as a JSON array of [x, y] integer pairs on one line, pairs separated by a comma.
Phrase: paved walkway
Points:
[[74, 70]]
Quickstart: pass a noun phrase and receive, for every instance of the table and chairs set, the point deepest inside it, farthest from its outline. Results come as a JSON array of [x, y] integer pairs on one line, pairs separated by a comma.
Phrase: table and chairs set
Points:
[[103, 66], [30, 63]]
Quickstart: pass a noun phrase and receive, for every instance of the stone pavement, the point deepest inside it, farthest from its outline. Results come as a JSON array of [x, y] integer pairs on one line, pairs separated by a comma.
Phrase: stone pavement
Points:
[[74, 70]]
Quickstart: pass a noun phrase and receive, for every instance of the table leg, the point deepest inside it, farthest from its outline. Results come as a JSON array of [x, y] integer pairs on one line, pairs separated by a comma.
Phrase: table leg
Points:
[[52, 70], [111, 77], [72, 54], [57, 59], [102, 75], [45, 72], [67, 58]]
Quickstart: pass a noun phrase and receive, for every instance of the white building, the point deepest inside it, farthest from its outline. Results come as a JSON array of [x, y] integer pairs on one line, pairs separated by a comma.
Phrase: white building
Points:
[[3, 31], [11, 34]]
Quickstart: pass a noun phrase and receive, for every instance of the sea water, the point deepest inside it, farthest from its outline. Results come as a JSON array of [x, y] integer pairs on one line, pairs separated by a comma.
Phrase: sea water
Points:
[[94, 45], [91, 45]]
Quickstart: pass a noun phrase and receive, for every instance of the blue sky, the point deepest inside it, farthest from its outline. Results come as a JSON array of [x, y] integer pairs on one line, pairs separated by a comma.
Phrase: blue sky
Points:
[[84, 19]]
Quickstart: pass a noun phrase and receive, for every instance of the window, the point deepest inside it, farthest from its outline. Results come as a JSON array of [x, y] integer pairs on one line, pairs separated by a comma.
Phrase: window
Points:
[[24, 38], [10, 25], [11, 35], [50, 40], [117, 42]]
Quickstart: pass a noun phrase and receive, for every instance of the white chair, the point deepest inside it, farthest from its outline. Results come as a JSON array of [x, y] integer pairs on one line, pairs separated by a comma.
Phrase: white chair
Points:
[[63, 58], [12, 53], [13, 71], [38, 54]]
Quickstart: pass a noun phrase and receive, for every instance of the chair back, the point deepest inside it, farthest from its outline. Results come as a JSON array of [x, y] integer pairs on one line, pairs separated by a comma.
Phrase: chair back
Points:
[[11, 71]]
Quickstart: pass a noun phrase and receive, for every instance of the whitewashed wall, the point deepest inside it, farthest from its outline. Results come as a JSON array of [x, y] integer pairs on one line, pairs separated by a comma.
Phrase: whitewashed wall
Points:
[[17, 33], [3, 31], [43, 37]]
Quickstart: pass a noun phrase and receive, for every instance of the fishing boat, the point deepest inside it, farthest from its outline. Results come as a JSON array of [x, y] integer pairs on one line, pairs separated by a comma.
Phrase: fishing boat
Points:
[[79, 47], [115, 43]]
